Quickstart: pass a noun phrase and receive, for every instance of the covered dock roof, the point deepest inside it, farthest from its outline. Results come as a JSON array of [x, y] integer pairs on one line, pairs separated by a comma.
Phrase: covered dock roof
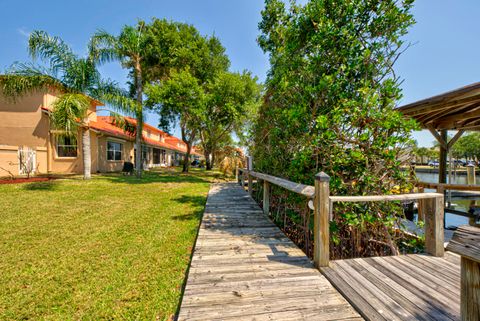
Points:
[[458, 110], [454, 110]]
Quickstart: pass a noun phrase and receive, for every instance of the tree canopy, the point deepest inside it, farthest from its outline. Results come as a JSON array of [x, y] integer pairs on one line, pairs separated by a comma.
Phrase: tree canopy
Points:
[[330, 103], [190, 85]]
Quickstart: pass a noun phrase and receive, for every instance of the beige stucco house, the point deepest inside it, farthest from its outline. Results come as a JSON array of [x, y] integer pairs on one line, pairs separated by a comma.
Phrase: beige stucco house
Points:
[[28, 141]]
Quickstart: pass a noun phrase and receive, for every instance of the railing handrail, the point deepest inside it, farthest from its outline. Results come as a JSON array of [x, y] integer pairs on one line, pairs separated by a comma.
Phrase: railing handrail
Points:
[[446, 186], [430, 209], [388, 197], [309, 191], [302, 189]]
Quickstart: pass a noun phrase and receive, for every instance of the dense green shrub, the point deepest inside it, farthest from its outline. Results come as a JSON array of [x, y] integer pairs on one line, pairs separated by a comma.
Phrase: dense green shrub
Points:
[[330, 106]]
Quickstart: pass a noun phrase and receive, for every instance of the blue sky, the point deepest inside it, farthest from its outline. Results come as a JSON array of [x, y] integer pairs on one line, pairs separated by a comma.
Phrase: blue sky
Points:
[[444, 55]]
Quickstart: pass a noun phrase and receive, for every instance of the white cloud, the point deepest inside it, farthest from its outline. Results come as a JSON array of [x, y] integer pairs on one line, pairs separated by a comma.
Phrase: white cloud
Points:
[[23, 32]]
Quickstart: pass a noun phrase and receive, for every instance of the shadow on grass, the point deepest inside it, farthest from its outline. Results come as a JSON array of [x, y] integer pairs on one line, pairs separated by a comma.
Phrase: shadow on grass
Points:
[[39, 186], [197, 201], [161, 176]]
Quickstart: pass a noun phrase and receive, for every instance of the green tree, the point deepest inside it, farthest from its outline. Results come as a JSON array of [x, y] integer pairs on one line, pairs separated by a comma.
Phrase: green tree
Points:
[[467, 146], [179, 100], [76, 80], [330, 106], [179, 55], [130, 47], [232, 100]]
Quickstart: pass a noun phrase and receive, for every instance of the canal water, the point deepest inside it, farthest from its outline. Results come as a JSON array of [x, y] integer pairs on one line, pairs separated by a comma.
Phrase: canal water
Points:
[[458, 203]]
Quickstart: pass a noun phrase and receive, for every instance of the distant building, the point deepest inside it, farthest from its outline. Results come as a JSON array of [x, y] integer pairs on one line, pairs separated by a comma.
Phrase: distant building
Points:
[[27, 139]]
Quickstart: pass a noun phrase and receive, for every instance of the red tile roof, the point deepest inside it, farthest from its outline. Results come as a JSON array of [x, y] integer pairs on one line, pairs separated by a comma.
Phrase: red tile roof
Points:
[[105, 124]]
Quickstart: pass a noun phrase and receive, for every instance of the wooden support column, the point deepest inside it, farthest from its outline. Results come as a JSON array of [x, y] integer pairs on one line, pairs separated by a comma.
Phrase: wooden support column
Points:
[[471, 175], [466, 242], [442, 169], [433, 212], [321, 221], [266, 198]]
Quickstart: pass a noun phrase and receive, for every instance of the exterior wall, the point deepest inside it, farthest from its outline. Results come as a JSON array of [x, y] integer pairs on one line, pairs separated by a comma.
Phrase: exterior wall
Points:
[[8, 160], [22, 123], [105, 165]]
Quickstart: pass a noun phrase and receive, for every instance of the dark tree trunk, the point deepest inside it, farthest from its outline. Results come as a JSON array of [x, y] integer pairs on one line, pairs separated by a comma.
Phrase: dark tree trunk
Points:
[[186, 160], [208, 163], [213, 159]]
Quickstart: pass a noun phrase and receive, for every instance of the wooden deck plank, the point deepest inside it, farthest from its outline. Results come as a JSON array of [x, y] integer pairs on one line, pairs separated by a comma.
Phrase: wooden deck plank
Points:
[[244, 268], [426, 288]]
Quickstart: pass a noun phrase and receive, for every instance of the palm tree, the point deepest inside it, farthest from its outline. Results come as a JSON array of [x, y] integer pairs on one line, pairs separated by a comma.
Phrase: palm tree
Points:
[[130, 48], [76, 80]]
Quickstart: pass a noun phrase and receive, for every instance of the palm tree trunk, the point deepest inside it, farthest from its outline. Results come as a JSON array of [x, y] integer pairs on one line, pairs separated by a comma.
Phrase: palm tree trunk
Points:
[[87, 154], [139, 116]]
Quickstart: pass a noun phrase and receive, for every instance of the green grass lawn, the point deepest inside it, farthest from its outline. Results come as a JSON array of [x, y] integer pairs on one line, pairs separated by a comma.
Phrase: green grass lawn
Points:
[[114, 247]]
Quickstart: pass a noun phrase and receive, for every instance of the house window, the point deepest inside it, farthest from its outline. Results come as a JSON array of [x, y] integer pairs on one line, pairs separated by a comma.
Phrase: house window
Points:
[[66, 146], [114, 151]]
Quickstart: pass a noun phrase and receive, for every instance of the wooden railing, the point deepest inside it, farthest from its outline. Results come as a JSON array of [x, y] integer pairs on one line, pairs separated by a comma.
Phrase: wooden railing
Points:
[[431, 205], [443, 187]]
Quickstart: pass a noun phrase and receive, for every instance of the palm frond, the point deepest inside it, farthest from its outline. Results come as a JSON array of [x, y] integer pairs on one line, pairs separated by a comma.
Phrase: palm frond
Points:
[[81, 75], [23, 79], [103, 47], [117, 98], [69, 111], [51, 49], [123, 123]]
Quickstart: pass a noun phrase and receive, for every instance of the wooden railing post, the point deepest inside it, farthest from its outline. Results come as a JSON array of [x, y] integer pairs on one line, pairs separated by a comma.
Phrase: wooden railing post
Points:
[[433, 212], [465, 242], [421, 215], [249, 183], [266, 198], [321, 221], [236, 171], [249, 168]]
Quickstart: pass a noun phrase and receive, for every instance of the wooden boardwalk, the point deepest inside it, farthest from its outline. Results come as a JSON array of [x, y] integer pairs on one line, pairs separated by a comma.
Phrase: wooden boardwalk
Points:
[[406, 287], [245, 268]]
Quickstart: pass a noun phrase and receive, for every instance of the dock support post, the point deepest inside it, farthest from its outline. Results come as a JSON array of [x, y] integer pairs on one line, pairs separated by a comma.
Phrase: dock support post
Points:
[[471, 175], [442, 168], [433, 213], [321, 223], [266, 198]]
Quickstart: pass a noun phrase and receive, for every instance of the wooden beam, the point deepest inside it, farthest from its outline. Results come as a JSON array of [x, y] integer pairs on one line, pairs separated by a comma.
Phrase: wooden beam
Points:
[[462, 115], [429, 107], [437, 136], [455, 138], [442, 168]]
